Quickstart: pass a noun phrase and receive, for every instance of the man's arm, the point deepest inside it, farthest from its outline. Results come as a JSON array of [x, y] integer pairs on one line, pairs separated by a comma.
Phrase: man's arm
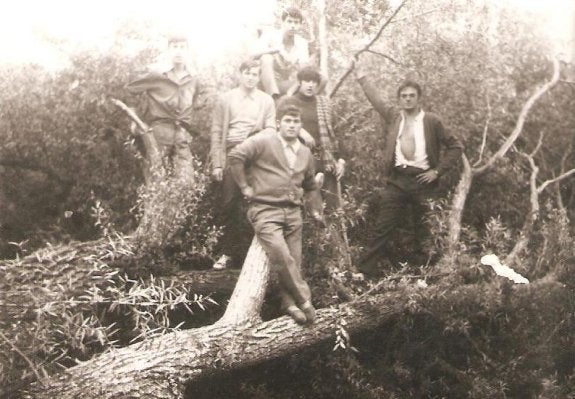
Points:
[[269, 115], [239, 156], [372, 93], [453, 148]]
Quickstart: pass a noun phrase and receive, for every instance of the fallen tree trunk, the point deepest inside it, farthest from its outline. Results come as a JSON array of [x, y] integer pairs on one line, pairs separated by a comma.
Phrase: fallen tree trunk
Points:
[[161, 367]]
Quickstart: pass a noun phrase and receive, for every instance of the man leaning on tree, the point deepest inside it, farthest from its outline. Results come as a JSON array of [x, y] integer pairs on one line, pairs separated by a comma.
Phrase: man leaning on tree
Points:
[[418, 151], [280, 170]]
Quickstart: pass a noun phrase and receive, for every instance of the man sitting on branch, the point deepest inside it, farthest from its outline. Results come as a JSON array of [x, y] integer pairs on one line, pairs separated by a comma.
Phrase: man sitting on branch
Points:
[[281, 53]]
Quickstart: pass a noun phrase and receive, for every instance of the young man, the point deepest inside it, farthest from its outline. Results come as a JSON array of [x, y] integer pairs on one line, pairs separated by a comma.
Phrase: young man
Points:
[[413, 162], [280, 170], [282, 52], [316, 120], [170, 97], [239, 113]]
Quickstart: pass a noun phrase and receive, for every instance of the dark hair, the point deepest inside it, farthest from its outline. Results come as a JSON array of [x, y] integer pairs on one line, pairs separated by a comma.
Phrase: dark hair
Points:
[[293, 12], [288, 109], [309, 73], [177, 38], [249, 64], [409, 83]]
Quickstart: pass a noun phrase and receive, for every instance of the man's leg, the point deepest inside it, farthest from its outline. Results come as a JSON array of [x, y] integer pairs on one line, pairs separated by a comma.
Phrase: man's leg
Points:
[[183, 163], [424, 249], [275, 228], [392, 206], [237, 233], [268, 76]]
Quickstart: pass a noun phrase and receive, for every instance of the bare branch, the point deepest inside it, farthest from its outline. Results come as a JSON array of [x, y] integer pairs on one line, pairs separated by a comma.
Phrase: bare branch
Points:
[[521, 119], [366, 48], [387, 57], [555, 180], [485, 129]]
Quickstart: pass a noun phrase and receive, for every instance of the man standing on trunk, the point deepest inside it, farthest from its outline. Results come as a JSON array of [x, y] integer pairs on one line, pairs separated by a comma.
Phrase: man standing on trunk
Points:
[[170, 97], [413, 162], [238, 114], [280, 170]]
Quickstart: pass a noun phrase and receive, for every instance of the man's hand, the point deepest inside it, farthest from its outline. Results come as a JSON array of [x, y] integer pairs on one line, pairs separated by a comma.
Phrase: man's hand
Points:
[[217, 174], [248, 193], [339, 168], [307, 138], [429, 176]]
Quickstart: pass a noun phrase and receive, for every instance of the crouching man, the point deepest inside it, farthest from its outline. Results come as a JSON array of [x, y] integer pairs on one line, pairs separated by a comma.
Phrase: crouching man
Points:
[[273, 170]]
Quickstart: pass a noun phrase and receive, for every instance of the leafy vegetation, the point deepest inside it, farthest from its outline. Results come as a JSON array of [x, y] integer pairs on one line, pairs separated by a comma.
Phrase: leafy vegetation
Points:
[[72, 172]]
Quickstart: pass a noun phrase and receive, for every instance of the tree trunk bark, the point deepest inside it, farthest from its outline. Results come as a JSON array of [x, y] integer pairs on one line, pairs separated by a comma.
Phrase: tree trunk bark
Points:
[[458, 205], [161, 367]]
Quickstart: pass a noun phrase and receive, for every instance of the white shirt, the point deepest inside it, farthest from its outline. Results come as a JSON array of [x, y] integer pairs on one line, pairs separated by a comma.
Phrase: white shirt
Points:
[[420, 156], [290, 150], [298, 54]]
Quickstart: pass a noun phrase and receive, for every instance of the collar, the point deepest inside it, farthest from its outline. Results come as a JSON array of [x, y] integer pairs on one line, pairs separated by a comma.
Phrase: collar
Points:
[[305, 98], [417, 118], [247, 94], [295, 145]]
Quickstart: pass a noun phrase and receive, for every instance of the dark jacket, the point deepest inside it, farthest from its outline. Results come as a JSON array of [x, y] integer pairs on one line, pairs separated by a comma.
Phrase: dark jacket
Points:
[[435, 133]]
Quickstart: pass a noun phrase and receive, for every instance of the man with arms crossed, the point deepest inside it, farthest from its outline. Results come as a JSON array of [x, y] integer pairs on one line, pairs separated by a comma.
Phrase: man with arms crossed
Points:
[[280, 170], [412, 162], [238, 114]]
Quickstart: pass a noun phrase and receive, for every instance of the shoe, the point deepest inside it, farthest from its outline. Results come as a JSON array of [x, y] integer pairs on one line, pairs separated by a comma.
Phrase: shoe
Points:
[[296, 314], [309, 312], [222, 263]]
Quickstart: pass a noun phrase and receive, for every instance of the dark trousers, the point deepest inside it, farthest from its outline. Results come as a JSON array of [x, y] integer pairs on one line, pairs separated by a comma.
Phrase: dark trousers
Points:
[[403, 197], [237, 233], [279, 231]]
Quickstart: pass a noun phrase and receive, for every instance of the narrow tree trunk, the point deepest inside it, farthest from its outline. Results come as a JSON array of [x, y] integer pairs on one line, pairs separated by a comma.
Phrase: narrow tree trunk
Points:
[[458, 205], [248, 296]]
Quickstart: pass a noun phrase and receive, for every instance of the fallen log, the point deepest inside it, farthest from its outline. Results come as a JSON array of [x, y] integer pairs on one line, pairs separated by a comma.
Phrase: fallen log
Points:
[[161, 367]]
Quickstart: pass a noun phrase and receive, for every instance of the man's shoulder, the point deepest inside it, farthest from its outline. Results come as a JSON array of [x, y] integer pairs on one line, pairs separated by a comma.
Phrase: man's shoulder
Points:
[[431, 117], [263, 96]]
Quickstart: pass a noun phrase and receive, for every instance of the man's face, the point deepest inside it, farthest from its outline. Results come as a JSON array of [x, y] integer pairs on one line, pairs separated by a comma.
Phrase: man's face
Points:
[[308, 88], [289, 127], [408, 99], [249, 78], [178, 51], [291, 25]]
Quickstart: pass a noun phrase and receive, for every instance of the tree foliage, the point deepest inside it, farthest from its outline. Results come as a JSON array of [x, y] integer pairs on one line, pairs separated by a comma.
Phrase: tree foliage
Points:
[[71, 171]]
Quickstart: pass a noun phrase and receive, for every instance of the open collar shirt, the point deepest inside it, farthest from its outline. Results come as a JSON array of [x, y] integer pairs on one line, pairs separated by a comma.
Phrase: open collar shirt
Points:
[[420, 157]]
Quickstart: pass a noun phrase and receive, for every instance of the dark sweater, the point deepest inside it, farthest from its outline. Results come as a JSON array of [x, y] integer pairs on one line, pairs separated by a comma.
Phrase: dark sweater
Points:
[[435, 133], [268, 172]]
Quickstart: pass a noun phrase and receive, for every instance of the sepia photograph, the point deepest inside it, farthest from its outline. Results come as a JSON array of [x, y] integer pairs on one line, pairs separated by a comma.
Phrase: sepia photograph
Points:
[[287, 199]]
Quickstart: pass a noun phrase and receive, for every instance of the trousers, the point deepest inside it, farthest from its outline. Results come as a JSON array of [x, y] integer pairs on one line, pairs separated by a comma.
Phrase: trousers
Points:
[[279, 231], [402, 195]]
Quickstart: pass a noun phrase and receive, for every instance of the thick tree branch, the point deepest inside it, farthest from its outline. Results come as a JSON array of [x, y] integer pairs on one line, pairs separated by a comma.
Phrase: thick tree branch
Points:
[[521, 119]]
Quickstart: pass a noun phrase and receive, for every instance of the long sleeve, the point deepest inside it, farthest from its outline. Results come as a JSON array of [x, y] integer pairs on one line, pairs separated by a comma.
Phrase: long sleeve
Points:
[[269, 115], [452, 145], [375, 99]]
